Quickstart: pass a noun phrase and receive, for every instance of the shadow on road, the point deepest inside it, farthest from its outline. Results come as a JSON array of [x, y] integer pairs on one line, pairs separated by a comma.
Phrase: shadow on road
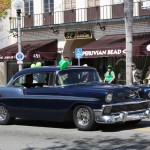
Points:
[[99, 127], [120, 127], [47, 124], [102, 141], [136, 142]]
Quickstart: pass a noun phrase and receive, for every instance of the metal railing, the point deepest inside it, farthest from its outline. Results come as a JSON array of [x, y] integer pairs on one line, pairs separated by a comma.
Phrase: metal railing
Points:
[[78, 15]]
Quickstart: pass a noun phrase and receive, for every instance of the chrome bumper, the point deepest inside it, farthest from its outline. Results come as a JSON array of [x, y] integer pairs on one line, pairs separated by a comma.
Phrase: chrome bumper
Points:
[[121, 117]]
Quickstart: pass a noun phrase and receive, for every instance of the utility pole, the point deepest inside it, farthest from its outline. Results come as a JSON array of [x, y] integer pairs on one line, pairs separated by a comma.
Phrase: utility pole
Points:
[[128, 11]]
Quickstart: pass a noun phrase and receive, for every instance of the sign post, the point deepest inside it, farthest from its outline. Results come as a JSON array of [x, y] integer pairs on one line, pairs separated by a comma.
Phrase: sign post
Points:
[[78, 54]]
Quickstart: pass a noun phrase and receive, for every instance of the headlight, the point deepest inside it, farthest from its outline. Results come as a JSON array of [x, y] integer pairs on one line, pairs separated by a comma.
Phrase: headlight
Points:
[[109, 98], [148, 94]]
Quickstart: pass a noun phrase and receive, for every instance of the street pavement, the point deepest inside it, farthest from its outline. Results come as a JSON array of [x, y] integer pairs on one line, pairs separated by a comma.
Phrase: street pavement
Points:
[[40, 135]]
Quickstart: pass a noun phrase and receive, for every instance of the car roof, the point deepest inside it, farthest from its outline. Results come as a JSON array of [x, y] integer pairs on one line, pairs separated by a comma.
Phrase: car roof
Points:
[[48, 69]]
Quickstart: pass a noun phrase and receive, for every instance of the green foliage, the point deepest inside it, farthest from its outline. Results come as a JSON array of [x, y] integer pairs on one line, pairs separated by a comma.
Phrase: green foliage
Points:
[[4, 4]]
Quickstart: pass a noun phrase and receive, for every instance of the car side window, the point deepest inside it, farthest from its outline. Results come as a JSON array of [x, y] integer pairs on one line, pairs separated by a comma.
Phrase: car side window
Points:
[[35, 80], [61, 78], [19, 81], [76, 76], [43, 79], [50, 79]]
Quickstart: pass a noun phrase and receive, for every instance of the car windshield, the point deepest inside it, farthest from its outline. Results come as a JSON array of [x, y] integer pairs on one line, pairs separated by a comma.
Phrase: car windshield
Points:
[[76, 76]]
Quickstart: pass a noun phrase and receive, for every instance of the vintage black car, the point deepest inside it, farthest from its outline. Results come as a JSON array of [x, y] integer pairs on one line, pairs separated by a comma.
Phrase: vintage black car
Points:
[[73, 94], [144, 91]]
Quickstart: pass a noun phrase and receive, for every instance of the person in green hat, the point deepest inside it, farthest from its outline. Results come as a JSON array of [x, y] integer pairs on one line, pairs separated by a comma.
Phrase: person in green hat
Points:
[[109, 75]]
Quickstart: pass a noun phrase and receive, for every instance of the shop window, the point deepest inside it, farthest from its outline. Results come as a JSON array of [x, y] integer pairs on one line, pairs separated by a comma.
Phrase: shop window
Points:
[[28, 7], [12, 68], [48, 6]]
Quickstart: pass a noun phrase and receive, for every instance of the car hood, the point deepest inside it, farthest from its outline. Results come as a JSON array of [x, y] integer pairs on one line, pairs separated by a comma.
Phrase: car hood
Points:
[[106, 87], [99, 91]]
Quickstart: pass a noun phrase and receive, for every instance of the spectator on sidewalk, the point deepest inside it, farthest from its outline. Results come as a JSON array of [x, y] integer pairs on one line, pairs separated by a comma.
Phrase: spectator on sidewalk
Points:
[[136, 74], [109, 75], [147, 76], [145, 82]]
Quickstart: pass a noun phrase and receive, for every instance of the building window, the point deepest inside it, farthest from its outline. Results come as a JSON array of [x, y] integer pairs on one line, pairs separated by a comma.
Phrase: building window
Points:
[[118, 1], [48, 6], [70, 4], [145, 4], [28, 7], [93, 3]]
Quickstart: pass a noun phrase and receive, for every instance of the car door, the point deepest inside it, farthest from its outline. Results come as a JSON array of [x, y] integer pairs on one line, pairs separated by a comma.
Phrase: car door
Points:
[[15, 97], [41, 102]]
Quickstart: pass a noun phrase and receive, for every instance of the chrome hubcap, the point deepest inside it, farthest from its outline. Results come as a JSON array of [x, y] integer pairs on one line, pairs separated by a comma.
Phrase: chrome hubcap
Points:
[[3, 113], [83, 116]]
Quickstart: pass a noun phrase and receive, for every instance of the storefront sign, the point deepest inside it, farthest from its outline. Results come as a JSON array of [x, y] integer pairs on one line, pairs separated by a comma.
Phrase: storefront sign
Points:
[[7, 57], [13, 57], [78, 35], [100, 53]]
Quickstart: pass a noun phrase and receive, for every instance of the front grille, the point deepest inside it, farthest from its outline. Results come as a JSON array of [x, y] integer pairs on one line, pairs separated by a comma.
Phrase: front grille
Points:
[[129, 107]]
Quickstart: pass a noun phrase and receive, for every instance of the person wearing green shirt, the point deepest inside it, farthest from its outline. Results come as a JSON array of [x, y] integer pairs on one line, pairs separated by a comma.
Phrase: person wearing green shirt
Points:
[[109, 75]]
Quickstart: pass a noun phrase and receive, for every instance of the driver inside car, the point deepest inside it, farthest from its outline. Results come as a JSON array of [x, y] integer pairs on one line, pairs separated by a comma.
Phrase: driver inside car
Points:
[[71, 79], [28, 81]]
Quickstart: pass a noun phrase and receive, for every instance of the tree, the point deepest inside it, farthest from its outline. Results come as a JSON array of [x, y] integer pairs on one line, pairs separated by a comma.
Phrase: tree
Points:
[[4, 4]]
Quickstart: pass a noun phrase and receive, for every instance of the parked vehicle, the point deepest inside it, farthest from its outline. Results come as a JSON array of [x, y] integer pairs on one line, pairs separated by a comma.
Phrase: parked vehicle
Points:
[[73, 94]]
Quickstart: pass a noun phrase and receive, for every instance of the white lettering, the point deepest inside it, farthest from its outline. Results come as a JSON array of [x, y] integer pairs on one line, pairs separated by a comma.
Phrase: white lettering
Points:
[[36, 56], [124, 51], [119, 51], [102, 52], [1, 57]]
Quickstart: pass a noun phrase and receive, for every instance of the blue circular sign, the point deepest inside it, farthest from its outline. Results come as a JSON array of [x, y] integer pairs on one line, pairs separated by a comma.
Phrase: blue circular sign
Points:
[[19, 56]]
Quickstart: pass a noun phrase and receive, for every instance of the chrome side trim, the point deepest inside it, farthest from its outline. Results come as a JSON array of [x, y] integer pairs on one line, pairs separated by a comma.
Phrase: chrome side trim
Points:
[[126, 103]]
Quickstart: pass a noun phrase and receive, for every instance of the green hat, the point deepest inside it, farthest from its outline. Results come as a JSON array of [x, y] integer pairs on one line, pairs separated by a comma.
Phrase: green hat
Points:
[[109, 66], [63, 64]]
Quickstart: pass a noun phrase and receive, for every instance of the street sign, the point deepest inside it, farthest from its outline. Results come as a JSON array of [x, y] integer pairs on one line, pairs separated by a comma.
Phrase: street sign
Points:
[[78, 53], [19, 62], [19, 56]]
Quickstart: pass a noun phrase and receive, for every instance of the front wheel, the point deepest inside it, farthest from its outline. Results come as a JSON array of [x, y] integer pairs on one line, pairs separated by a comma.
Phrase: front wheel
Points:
[[84, 118], [4, 116]]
